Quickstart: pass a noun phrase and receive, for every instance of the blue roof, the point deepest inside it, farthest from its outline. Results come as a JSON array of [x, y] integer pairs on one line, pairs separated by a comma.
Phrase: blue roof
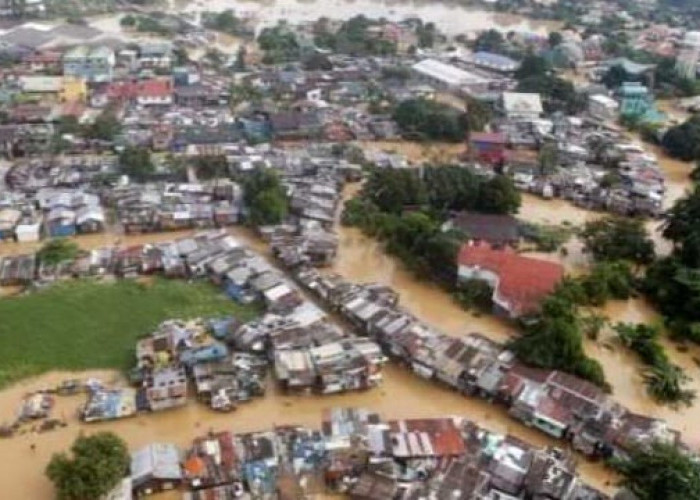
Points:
[[491, 59]]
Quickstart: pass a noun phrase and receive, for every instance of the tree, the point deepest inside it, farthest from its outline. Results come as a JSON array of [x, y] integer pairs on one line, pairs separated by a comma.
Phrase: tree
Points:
[[97, 464], [548, 158], [557, 94], [279, 44], [316, 62], [426, 35], [532, 66], [128, 21], [105, 127], [490, 41], [682, 227], [432, 120], [211, 166], [660, 471], [57, 251], [265, 197], [683, 141], [555, 38], [478, 114], [616, 76], [240, 65], [136, 163], [616, 238], [499, 196]]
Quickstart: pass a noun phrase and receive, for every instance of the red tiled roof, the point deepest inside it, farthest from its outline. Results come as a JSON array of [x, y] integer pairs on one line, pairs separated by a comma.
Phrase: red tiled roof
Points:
[[523, 281], [144, 88]]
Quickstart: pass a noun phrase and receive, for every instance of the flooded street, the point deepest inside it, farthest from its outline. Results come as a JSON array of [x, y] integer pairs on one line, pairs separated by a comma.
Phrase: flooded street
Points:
[[402, 395], [623, 369]]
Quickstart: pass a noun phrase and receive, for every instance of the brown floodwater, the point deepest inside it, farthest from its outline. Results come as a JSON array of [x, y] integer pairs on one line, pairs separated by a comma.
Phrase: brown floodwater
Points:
[[402, 395]]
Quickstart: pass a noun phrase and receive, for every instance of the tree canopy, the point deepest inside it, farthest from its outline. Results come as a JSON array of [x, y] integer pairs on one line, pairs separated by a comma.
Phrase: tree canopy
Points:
[[683, 141], [58, 250], [427, 119], [136, 163], [660, 471], [617, 238], [279, 44], [105, 127], [265, 197], [96, 465]]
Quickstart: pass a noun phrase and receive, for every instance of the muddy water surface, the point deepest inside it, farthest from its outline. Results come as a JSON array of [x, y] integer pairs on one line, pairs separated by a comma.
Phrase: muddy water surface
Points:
[[450, 17], [402, 395]]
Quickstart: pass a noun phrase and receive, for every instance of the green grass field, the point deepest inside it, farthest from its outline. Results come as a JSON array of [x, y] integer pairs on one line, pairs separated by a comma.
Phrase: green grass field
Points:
[[86, 325]]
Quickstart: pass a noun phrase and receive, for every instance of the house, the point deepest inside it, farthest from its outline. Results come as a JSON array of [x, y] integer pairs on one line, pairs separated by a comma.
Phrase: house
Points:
[[155, 468], [151, 92], [90, 219], [17, 270], [43, 62], [489, 147], [637, 101], [497, 230], [519, 283], [93, 64], [522, 106], [60, 222], [295, 125], [29, 228], [603, 107], [155, 55]]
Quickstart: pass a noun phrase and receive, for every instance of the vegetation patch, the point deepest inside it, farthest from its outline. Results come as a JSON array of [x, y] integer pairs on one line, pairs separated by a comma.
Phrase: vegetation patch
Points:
[[85, 325]]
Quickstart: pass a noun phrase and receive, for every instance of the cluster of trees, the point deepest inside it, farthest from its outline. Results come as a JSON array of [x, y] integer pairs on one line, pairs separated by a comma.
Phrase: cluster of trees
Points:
[[672, 283], [660, 471], [427, 119], [442, 189], [354, 37], [96, 465], [145, 24], [265, 197], [58, 250], [553, 338], [535, 75], [225, 22], [617, 238], [414, 237], [683, 141], [664, 380], [136, 162], [405, 210], [279, 44]]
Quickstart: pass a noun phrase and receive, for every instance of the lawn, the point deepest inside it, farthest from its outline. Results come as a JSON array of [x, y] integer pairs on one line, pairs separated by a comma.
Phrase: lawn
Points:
[[87, 325]]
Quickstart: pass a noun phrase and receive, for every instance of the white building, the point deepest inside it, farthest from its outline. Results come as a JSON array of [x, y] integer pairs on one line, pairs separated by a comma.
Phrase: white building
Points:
[[522, 106], [603, 107], [449, 77]]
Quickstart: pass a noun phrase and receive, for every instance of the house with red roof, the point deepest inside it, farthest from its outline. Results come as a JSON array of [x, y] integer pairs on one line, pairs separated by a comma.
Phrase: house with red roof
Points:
[[519, 283], [151, 92]]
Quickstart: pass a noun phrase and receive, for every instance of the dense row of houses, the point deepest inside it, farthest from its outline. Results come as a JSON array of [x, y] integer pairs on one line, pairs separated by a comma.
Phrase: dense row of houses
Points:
[[556, 403], [357, 453], [226, 361]]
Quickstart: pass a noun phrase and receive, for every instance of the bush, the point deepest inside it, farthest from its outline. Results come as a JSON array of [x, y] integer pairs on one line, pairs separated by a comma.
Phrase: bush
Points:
[[96, 465]]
